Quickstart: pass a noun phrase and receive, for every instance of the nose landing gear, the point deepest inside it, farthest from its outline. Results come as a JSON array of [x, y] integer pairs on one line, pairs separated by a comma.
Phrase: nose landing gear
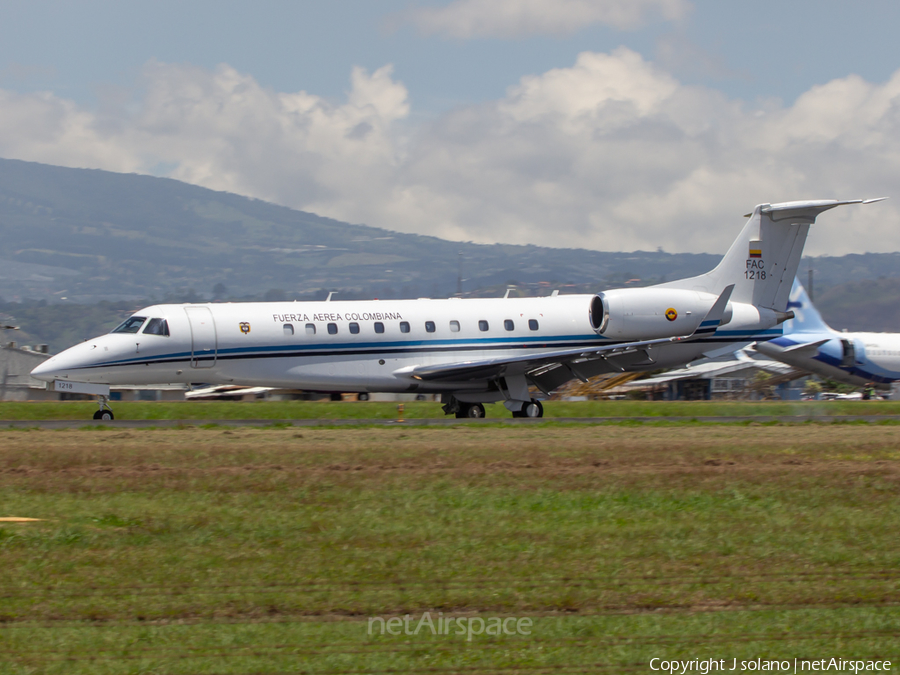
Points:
[[105, 413]]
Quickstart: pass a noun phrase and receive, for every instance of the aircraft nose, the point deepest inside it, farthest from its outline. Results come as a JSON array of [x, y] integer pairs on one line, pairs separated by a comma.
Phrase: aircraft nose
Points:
[[71, 363], [47, 371]]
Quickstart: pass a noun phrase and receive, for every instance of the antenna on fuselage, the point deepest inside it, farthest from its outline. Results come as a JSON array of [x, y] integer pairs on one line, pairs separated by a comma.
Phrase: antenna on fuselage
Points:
[[328, 299]]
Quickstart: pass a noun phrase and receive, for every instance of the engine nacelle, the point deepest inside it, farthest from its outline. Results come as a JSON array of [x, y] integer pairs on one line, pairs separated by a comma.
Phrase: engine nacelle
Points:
[[650, 313]]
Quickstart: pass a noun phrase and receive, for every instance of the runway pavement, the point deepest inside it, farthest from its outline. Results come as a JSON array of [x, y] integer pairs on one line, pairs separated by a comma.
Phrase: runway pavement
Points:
[[418, 422]]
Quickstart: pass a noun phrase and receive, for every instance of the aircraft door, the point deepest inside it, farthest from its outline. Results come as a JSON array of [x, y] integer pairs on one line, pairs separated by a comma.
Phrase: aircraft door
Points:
[[204, 342], [848, 353]]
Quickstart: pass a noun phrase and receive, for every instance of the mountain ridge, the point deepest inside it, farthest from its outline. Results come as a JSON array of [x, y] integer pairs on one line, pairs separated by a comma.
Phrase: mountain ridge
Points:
[[150, 236], [88, 235]]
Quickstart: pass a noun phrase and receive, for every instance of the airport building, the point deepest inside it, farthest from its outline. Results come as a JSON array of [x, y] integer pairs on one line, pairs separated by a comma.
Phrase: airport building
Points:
[[743, 375], [16, 364]]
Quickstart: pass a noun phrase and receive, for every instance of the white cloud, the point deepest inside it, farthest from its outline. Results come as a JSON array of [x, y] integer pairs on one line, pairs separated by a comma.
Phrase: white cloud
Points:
[[44, 128], [467, 19], [225, 131], [611, 153]]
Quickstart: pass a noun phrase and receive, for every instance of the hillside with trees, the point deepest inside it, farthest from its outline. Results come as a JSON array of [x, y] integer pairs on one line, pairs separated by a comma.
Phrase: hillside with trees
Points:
[[90, 235]]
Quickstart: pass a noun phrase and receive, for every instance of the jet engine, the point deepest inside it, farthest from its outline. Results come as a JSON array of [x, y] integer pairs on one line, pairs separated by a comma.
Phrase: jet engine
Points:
[[650, 313]]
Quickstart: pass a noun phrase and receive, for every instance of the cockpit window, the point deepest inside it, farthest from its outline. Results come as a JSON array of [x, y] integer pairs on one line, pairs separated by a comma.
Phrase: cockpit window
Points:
[[157, 327], [131, 325]]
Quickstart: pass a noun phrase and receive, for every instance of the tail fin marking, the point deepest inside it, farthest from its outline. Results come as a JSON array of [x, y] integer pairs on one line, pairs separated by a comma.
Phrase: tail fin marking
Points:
[[763, 260], [806, 317]]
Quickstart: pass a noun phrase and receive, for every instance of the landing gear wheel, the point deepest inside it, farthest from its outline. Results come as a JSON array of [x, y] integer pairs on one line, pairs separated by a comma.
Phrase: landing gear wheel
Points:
[[105, 413], [531, 409], [363, 397], [470, 411]]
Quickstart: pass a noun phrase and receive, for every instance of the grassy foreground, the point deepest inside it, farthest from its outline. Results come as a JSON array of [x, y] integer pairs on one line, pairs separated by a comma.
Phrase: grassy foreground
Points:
[[281, 410], [270, 550]]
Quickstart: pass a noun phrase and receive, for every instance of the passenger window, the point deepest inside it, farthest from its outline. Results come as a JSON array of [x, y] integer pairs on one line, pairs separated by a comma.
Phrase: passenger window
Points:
[[131, 325], [332, 329], [533, 324], [379, 327], [404, 326], [310, 329], [483, 325], [429, 327], [509, 325], [288, 329], [454, 326], [157, 327], [354, 328]]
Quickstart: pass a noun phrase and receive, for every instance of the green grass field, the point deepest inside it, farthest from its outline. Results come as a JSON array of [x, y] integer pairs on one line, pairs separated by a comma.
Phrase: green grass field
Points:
[[269, 550], [277, 410]]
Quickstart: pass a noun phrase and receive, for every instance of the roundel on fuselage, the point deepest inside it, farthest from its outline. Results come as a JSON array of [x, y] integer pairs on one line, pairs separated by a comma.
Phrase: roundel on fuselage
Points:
[[671, 314]]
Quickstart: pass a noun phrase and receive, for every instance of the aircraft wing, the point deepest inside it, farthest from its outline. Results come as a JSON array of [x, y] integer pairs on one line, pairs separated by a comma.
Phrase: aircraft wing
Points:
[[488, 368], [535, 364]]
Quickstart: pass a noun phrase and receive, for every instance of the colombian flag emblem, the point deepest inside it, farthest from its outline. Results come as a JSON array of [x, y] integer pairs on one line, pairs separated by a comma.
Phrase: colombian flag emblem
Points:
[[671, 314], [756, 253]]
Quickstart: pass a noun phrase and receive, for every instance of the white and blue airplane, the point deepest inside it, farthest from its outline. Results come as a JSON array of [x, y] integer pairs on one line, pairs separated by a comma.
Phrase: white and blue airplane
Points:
[[469, 351], [810, 344]]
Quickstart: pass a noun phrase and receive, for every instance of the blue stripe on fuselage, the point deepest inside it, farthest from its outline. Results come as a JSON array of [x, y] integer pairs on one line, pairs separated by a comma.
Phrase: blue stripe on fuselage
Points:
[[411, 346]]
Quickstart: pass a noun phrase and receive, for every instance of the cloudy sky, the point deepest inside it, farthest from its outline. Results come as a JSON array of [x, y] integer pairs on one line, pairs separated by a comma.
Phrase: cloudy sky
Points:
[[606, 124]]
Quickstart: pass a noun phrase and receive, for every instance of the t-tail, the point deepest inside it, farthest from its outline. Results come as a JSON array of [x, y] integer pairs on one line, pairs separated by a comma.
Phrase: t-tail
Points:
[[763, 260], [806, 317]]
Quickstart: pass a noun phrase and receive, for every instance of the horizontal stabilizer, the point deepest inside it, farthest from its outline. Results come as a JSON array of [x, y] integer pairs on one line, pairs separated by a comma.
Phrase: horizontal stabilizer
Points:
[[806, 347], [808, 209]]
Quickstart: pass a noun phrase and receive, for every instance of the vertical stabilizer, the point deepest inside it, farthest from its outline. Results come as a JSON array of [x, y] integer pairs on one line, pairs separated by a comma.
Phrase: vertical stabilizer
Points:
[[763, 260], [806, 317]]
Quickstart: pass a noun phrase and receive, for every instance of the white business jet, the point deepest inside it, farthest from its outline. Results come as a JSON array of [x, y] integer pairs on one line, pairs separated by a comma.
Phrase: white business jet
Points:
[[810, 344], [470, 351]]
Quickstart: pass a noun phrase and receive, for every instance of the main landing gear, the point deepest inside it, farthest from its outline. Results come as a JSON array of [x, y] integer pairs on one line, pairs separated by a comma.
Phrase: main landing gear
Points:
[[105, 413], [531, 409], [463, 410], [470, 410]]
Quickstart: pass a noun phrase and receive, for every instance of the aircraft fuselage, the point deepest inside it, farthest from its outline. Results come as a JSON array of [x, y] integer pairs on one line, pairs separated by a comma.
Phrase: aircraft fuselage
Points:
[[352, 345], [852, 358]]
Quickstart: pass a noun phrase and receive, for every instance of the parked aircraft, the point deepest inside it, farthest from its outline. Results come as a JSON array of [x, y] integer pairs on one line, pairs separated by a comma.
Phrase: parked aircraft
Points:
[[470, 351], [810, 344]]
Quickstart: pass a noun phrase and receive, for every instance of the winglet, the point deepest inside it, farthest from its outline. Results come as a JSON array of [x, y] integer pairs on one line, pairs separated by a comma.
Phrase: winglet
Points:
[[716, 313]]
